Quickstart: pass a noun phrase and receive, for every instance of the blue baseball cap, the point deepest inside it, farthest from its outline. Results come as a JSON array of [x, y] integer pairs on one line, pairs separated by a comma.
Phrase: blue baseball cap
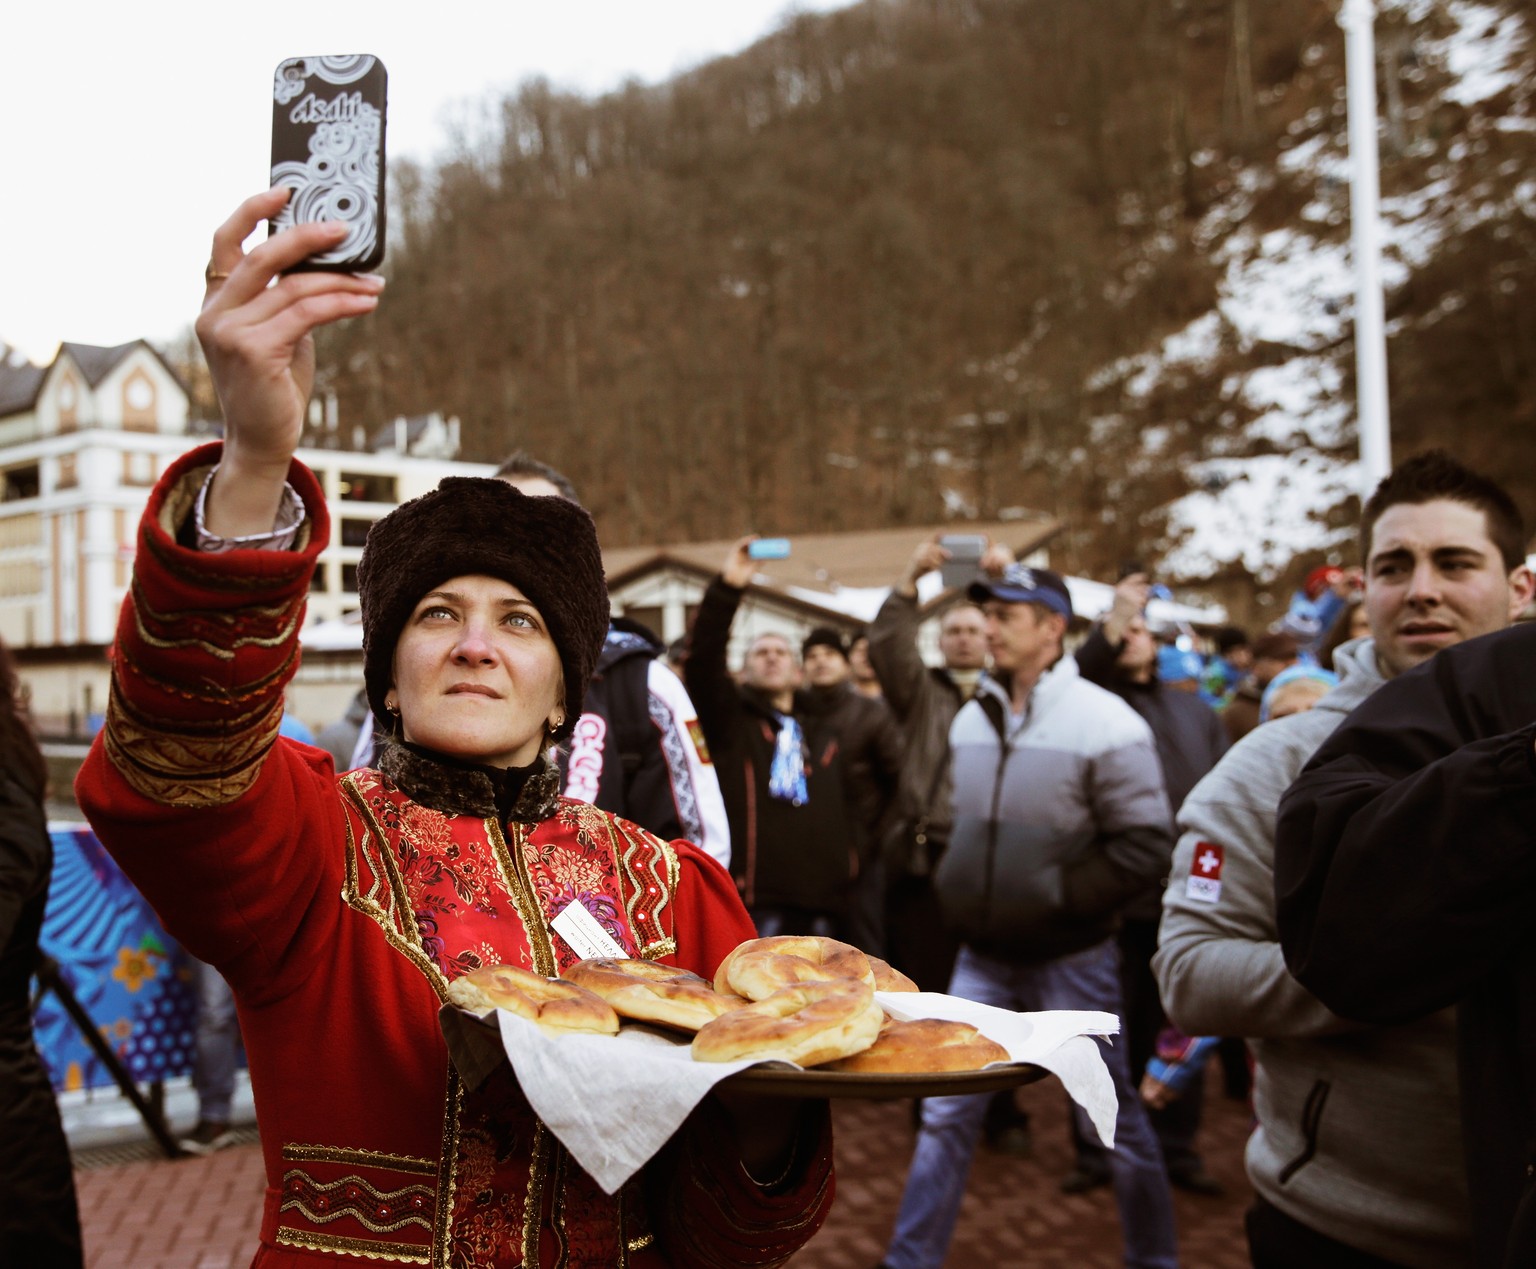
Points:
[[1021, 584]]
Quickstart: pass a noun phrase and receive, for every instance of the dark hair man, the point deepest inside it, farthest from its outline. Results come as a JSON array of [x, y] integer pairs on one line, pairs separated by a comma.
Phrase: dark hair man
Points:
[[925, 700], [872, 751], [1059, 819], [1357, 1157]]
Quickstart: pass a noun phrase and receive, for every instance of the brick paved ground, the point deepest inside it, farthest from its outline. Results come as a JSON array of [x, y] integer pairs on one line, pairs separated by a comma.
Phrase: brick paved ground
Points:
[[203, 1213]]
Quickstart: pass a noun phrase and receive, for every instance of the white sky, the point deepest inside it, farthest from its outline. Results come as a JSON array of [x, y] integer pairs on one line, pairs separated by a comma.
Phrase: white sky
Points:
[[131, 128]]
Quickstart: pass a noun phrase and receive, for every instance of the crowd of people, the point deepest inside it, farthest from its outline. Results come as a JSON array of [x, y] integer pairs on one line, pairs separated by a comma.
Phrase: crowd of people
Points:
[[1308, 852]]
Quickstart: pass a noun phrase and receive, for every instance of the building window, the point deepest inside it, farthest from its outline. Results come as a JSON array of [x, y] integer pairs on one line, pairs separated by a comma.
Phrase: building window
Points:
[[138, 468], [317, 578], [21, 482], [358, 487], [349, 578], [355, 532], [649, 617], [68, 476]]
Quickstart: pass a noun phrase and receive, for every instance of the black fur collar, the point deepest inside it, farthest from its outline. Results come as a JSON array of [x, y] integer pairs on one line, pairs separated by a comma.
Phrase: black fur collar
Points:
[[527, 794]]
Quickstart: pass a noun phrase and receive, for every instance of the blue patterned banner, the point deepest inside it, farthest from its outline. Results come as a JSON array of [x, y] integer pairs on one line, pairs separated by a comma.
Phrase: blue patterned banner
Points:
[[133, 981]]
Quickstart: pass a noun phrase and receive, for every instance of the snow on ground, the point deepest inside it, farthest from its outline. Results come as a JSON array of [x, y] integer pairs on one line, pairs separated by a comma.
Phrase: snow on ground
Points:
[[1285, 287], [1481, 54], [1299, 403], [1265, 514]]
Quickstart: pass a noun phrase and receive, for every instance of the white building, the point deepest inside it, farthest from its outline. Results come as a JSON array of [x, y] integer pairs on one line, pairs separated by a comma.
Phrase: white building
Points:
[[82, 440]]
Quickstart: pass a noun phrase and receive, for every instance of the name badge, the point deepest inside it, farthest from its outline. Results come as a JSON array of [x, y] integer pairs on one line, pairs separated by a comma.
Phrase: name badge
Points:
[[583, 935]]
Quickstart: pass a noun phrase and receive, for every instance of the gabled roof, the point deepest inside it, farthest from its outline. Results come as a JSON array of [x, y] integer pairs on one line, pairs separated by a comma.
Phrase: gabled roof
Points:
[[19, 386], [95, 362]]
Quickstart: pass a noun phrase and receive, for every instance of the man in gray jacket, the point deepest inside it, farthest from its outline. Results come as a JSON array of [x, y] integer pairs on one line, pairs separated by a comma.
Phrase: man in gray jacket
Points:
[[925, 701], [1059, 818], [1357, 1157]]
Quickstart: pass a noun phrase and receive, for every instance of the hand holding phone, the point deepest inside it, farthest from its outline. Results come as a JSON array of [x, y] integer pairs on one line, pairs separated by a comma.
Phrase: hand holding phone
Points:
[[328, 116], [964, 563]]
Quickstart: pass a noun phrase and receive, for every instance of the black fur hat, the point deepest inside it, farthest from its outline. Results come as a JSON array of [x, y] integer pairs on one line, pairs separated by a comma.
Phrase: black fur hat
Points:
[[546, 547]]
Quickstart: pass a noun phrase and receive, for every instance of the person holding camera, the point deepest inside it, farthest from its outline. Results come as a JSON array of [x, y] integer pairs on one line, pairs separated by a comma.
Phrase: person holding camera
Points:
[[341, 908], [794, 821], [925, 700]]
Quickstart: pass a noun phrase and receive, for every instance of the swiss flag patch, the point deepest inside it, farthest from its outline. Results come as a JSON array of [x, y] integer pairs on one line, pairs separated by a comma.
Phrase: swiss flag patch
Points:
[[1204, 884]]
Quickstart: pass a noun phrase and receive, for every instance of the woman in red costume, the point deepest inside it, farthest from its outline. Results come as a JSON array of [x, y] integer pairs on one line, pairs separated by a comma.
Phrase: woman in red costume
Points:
[[339, 909]]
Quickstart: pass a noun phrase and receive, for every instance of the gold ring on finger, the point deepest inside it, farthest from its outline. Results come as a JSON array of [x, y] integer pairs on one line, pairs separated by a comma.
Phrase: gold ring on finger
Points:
[[212, 275]]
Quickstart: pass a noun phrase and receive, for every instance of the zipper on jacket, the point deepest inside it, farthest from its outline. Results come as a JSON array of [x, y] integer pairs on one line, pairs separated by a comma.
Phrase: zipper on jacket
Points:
[[1311, 1127], [1000, 725]]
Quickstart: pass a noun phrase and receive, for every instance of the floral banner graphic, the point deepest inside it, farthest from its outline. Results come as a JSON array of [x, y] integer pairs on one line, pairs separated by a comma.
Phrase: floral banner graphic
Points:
[[135, 983]]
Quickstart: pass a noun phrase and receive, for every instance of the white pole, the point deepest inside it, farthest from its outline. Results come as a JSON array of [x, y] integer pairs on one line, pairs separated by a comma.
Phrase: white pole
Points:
[[1358, 18]]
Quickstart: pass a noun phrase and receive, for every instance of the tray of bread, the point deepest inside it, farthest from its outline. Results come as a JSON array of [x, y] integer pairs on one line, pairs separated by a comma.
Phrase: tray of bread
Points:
[[805, 1011]]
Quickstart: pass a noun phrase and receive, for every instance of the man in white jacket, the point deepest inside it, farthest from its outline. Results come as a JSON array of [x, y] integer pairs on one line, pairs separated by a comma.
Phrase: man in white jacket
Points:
[[1060, 818]]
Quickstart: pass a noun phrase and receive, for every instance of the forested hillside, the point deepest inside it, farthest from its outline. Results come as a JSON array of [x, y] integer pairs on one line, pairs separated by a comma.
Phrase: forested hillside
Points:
[[922, 258]]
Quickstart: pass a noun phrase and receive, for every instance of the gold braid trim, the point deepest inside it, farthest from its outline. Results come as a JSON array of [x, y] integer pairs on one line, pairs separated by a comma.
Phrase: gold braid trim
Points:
[[512, 860], [360, 1158], [284, 618], [641, 1243], [638, 873], [394, 917], [177, 769], [207, 691], [302, 1205], [403, 1253], [448, 1169]]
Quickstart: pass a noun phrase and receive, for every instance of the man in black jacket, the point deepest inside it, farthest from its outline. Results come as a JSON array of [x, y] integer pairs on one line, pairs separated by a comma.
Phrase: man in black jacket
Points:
[[1121, 654], [794, 834], [870, 743], [1405, 879]]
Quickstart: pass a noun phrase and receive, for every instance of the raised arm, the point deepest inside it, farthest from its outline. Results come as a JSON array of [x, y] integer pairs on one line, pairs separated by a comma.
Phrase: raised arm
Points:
[[893, 634], [210, 814], [705, 672], [255, 328]]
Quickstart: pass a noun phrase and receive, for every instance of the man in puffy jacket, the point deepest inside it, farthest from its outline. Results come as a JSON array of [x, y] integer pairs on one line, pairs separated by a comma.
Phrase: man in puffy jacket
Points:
[[1059, 819]]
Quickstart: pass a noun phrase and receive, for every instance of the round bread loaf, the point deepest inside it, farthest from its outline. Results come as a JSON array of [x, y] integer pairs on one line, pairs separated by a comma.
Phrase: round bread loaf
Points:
[[558, 1007], [924, 1046], [889, 979], [805, 1023], [650, 992], [759, 967]]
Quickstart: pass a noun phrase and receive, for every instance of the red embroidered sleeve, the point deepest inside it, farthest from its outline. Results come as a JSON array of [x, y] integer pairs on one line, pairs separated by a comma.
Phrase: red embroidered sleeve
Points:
[[188, 784]]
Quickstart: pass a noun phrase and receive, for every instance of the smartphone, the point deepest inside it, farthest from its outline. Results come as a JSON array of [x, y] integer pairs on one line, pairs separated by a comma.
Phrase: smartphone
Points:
[[769, 549], [328, 148], [963, 565]]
